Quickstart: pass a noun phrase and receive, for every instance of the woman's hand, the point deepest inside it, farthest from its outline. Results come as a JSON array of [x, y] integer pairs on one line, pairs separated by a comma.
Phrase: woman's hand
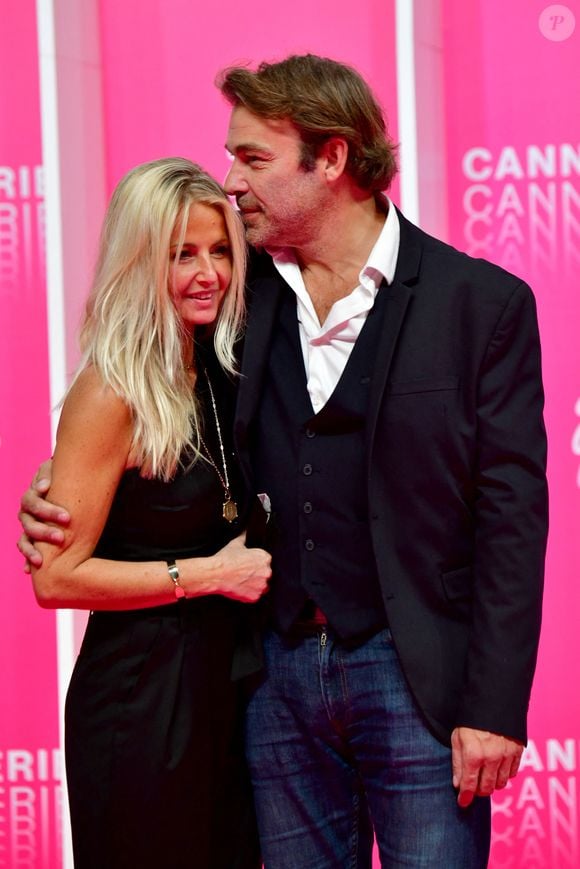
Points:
[[241, 573]]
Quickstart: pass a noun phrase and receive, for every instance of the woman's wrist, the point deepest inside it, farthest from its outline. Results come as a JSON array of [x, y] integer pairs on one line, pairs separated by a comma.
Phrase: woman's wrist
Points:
[[199, 576]]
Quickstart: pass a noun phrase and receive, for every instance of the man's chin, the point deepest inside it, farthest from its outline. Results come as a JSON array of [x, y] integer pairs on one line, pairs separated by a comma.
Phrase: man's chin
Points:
[[255, 237]]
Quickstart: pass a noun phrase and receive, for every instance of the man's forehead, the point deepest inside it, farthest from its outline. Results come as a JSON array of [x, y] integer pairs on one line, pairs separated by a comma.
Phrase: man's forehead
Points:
[[252, 132]]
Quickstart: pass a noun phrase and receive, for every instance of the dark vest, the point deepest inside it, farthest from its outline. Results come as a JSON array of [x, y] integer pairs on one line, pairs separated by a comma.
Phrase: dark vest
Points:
[[314, 470]]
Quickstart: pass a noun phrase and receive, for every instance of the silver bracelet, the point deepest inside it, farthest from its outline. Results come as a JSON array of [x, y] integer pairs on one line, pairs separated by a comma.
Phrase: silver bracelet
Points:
[[174, 574]]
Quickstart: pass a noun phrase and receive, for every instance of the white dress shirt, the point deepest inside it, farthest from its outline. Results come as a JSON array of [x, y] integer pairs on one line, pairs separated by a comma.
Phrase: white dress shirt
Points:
[[327, 347]]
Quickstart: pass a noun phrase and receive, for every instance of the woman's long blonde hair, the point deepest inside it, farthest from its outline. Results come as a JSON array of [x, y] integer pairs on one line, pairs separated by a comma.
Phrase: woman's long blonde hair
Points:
[[132, 333]]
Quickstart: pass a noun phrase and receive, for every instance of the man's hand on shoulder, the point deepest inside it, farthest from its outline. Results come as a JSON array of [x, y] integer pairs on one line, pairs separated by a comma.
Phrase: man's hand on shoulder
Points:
[[482, 762], [35, 514]]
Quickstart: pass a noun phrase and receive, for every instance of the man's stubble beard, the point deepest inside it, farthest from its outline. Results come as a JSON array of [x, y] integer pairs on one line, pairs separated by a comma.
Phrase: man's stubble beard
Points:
[[297, 230]]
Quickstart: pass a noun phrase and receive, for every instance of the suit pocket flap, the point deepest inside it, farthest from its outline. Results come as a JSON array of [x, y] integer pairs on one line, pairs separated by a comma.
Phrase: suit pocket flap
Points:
[[422, 384]]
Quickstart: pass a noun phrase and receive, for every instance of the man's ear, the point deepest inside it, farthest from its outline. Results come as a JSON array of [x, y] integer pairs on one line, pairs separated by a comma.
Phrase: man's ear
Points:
[[333, 156]]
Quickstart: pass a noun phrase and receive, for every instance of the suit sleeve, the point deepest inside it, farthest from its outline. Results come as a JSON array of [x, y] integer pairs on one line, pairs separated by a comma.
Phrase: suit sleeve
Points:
[[510, 525]]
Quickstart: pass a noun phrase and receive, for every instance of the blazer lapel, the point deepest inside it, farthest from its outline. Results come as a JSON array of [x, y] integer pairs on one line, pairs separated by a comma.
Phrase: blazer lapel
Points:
[[263, 308], [399, 295], [266, 288]]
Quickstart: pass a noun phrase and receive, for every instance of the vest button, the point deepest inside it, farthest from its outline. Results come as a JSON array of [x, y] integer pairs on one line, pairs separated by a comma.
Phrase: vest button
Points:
[[309, 545], [307, 470], [307, 507]]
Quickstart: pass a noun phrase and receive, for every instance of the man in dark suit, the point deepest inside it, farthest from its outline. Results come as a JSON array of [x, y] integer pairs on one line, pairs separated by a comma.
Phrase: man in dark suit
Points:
[[390, 413], [390, 406]]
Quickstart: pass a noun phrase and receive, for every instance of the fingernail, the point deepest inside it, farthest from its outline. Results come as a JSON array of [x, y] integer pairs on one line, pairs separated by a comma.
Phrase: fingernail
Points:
[[465, 799], [56, 536], [62, 517]]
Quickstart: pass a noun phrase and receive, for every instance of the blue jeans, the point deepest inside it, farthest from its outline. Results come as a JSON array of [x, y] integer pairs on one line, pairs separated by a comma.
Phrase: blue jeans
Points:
[[337, 749]]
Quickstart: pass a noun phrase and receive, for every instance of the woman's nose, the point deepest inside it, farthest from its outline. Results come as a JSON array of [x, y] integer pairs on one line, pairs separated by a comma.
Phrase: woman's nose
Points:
[[206, 273]]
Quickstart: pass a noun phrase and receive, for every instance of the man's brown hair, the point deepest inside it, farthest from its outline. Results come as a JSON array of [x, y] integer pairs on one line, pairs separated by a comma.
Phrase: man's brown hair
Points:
[[322, 98]]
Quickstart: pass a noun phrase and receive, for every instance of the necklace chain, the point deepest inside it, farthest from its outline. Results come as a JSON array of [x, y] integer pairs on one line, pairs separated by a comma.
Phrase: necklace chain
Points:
[[229, 509]]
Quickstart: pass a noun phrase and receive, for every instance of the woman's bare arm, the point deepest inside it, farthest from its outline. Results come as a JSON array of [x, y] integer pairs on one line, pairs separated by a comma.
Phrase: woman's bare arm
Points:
[[91, 454]]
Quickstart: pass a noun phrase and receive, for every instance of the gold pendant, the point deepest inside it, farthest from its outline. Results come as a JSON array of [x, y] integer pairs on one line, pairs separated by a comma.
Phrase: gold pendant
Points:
[[230, 510]]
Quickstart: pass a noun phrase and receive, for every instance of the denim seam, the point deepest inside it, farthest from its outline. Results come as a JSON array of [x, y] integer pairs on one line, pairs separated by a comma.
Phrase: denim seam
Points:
[[355, 832]]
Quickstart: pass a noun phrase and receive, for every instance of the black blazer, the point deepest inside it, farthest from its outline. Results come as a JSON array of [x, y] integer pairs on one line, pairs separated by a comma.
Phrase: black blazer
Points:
[[457, 496]]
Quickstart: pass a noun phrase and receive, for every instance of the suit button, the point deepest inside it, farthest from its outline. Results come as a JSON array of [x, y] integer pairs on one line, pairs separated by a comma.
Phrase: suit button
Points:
[[307, 470], [309, 545], [307, 507], [309, 433]]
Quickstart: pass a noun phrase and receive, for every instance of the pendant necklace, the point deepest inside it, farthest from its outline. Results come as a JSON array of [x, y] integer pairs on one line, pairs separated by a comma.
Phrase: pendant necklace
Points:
[[229, 508]]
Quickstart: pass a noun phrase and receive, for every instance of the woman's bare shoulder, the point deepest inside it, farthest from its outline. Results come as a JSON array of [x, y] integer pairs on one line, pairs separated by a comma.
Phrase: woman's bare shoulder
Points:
[[94, 412]]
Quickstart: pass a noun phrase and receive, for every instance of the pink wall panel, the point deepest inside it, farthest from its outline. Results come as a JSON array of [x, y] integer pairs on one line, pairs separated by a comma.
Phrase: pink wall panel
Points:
[[29, 765], [510, 101], [161, 59]]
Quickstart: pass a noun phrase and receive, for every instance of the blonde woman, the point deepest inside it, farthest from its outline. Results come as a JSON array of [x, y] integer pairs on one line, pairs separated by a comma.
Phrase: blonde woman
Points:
[[154, 547]]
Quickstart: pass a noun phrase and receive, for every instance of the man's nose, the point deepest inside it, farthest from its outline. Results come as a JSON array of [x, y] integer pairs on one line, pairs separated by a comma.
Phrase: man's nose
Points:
[[234, 180]]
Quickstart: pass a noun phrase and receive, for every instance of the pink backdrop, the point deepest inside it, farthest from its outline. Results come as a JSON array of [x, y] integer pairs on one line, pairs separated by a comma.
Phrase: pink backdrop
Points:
[[501, 95], [163, 100], [29, 762], [513, 167]]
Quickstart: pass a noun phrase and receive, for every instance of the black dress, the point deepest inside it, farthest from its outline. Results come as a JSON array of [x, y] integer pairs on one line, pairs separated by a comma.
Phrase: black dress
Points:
[[154, 755]]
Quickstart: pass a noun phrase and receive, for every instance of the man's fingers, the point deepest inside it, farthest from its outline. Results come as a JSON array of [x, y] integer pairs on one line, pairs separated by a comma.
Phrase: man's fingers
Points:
[[489, 776], [482, 762], [41, 486], [41, 480], [456, 764], [515, 765], [39, 518], [35, 511], [465, 798], [468, 784], [465, 771], [35, 531], [503, 773], [27, 550], [31, 555]]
